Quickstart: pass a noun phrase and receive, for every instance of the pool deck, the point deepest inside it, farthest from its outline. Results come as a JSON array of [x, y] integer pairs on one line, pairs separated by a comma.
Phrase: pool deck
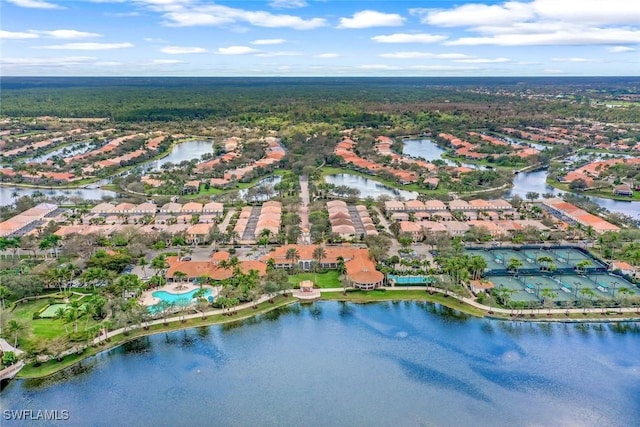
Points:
[[173, 288]]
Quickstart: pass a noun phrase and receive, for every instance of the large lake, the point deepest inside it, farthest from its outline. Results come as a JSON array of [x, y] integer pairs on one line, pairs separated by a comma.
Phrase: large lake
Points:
[[328, 364]]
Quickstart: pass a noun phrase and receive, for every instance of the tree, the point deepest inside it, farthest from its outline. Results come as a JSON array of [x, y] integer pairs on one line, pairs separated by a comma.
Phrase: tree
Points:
[[544, 261], [14, 328], [293, 256], [548, 295], [4, 294], [318, 255], [587, 295], [583, 265], [532, 195], [476, 266], [514, 264], [159, 264]]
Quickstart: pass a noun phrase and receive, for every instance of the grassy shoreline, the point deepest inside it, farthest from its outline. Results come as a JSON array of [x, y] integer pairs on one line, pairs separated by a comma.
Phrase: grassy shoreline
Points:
[[359, 297], [52, 366], [595, 193]]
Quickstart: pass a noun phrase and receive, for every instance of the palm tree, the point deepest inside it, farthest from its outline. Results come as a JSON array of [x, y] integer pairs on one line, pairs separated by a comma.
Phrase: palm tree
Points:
[[514, 265], [544, 261], [4, 294], [318, 255], [180, 276], [476, 266], [582, 265], [159, 264], [14, 328], [293, 256], [142, 262], [340, 265], [548, 295], [587, 295]]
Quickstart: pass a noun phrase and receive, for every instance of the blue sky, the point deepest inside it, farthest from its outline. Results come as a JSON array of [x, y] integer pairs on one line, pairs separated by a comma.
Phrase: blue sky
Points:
[[319, 38]]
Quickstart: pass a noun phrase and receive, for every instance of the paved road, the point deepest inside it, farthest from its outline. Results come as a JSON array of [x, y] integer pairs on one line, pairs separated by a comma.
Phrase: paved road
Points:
[[304, 206]]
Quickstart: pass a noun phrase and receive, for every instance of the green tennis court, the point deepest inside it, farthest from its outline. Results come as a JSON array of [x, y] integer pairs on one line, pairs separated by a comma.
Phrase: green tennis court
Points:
[[53, 309]]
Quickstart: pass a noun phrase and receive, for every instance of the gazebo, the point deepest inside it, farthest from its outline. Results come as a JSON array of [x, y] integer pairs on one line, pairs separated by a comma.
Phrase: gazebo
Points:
[[306, 291]]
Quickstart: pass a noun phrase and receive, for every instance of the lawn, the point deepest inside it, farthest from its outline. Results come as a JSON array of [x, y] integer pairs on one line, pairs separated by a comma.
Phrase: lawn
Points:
[[32, 371], [330, 279], [36, 329]]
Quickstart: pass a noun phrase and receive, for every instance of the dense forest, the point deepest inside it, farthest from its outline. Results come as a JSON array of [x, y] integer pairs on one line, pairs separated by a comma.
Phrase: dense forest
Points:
[[273, 103]]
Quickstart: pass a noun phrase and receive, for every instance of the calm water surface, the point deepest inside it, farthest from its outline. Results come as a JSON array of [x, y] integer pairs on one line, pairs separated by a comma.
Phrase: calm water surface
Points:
[[368, 187], [329, 364]]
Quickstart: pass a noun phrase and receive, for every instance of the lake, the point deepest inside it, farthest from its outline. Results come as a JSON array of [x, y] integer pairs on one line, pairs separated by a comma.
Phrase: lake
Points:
[[189, 150], [369, 187], [536, 181], [331, 364], [86, 193], [430, 151]]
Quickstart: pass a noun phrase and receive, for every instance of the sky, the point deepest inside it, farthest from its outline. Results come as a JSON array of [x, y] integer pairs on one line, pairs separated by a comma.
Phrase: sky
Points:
[[319, 38]]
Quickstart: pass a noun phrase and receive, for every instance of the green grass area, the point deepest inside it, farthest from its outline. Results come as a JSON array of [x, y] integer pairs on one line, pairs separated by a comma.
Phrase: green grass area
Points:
[[52, 366], [402, 295], [330, 279], [330, 170], [43, 328], [605, 194], [484, 162]]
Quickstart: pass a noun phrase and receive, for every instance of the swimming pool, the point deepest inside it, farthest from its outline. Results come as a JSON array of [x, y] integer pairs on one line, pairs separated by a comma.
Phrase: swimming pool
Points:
[[410, 280], [183, 299]]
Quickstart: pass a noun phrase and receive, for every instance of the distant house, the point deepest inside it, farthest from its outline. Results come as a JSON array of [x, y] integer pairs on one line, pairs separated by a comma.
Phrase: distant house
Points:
[[191, 187], [623, 190]]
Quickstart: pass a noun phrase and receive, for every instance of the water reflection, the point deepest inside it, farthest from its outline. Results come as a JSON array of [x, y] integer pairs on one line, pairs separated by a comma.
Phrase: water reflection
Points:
[[480, 370], [369, 187]]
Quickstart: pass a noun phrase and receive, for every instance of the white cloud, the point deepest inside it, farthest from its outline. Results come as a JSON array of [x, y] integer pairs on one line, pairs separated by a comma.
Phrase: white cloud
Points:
[[55, 61], [586, 36], [408, 38], [620, 49], [541, 22], [122, 14], [182, 50], [476, 14], [483, 60], [280, 53], [572, 59], [237, 50], [88, 46], [327, 55], [17, 35], [166, 61], [287, 4], [184, 13], [35, 4], [371, 18], [69, 34], [263, 42], [425, 55], [592, 12]]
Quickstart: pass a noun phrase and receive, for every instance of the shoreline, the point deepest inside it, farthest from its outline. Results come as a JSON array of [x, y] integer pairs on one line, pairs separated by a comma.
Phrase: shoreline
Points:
[[216, 317]]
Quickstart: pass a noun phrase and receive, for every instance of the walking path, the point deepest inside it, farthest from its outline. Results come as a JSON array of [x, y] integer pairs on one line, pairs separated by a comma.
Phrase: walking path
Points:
[[5, 346], [507, 312], [227, 219]]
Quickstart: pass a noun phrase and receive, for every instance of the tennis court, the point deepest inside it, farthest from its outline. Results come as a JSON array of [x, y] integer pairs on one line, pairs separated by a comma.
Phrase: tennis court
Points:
[[563, 258], [53, 309]]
